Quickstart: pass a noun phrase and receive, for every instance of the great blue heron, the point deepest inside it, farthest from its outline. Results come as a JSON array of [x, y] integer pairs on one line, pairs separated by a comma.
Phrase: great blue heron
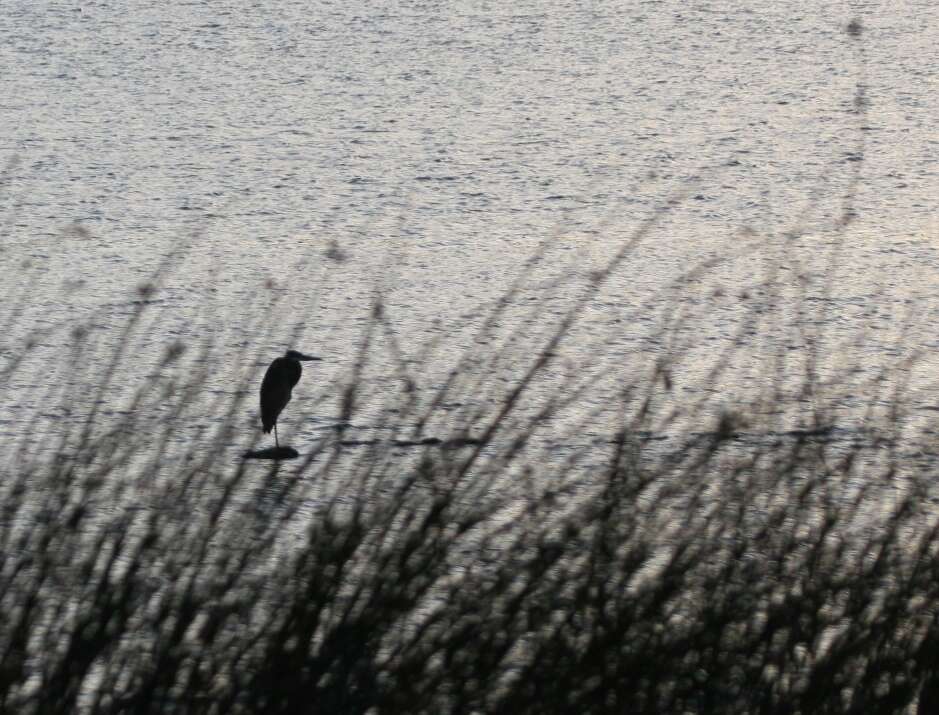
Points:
[[277, 385]]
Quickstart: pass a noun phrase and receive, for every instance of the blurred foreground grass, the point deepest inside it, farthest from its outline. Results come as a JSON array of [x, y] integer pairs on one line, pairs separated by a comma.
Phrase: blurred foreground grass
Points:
[[701, 559], [691, 557]]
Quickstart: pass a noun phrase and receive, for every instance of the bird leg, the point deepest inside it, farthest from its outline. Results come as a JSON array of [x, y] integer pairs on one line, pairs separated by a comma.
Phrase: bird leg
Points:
[[276, 441]]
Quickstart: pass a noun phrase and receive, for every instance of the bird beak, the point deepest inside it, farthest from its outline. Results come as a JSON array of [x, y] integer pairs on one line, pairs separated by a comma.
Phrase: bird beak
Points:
[[308, 357]]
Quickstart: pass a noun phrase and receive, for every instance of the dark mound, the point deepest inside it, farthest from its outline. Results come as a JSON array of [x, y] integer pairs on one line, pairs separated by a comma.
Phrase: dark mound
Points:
[[272, 453]]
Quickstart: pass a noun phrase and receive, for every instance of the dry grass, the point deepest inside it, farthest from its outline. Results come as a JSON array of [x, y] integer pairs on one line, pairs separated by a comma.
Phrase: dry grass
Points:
[[738, 566]]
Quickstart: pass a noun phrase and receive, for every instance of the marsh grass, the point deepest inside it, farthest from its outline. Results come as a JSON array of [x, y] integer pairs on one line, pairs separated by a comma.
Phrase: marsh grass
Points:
[[695, 559], [777, 555]]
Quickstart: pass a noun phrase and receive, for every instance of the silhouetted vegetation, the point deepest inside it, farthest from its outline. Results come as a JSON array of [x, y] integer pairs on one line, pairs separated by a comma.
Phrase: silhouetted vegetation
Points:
[[691, 557]]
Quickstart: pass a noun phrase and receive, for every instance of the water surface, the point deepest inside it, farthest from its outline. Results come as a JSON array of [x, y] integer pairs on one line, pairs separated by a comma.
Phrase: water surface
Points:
[[316, 153]]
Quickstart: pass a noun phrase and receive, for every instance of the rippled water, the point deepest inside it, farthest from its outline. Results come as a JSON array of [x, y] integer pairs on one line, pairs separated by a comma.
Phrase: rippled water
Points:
[[320, 151]]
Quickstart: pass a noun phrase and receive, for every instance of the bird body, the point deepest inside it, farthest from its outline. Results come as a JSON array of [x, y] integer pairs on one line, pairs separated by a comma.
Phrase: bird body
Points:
[[277, 387]]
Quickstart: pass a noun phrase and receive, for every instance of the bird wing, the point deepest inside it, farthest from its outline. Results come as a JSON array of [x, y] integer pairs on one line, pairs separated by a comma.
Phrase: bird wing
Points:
[[276, 391]]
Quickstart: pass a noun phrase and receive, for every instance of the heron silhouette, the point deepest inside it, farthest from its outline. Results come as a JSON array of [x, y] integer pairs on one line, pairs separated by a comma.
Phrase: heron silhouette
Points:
[[277, 386]]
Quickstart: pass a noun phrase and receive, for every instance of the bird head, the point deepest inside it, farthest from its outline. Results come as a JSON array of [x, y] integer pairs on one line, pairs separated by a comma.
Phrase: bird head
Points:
[[295, 355]]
